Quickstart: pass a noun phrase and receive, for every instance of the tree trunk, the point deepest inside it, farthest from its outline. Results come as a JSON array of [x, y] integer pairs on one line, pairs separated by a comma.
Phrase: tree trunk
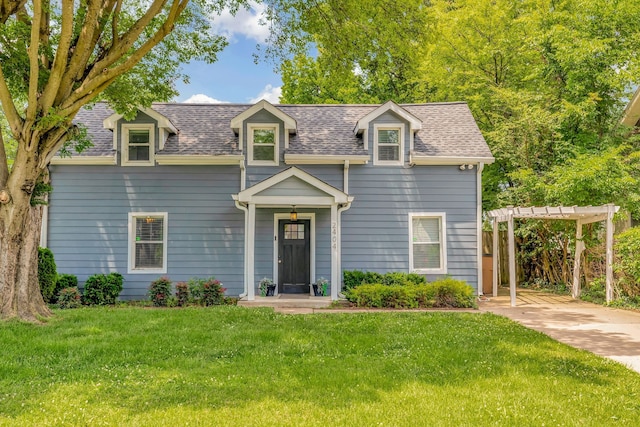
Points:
[[19, 238]]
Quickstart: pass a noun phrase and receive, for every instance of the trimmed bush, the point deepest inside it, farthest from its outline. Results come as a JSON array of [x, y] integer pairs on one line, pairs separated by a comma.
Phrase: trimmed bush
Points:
[[452, 293], [354, 278], [160, 291], [183, 295], [443, 293], [64, 281], [101, 289], [47, 274], [206, 291], [69, 298]]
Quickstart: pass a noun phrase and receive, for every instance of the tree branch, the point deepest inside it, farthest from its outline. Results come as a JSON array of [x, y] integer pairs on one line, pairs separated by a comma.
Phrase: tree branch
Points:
[[9, 108], [101, 73], [4, 165], [62, 55], [9, 7], [34, 66]]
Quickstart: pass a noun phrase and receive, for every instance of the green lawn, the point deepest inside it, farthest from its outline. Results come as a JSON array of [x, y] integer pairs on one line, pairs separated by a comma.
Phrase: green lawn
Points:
[[252, 367]]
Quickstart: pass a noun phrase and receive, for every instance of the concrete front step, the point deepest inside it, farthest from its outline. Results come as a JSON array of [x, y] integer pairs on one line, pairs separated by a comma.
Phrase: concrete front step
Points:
[[287, 301]]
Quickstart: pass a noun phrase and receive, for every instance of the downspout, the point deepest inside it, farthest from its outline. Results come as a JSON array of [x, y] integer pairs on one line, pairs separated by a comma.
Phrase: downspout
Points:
[[244, 208], [345, 177], [479, 219], [243, 176]]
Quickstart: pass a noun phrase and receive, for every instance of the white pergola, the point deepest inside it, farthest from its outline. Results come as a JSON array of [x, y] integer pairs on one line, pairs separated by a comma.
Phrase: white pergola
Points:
[[581, 214]]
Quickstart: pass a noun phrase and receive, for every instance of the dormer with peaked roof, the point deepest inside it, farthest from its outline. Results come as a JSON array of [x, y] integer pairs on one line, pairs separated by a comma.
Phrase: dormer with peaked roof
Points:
[[263, 133], [389, 129]]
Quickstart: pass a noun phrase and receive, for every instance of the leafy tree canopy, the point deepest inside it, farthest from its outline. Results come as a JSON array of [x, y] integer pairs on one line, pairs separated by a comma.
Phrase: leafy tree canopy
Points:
[[546, 80]]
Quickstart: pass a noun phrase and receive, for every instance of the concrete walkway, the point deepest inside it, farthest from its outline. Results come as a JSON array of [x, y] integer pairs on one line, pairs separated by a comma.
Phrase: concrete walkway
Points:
[[605, 331]]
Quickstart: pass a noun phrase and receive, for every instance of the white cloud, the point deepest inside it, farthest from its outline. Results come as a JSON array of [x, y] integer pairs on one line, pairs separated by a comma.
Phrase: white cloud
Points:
[[270, 93], [201, 98], [246, 22]]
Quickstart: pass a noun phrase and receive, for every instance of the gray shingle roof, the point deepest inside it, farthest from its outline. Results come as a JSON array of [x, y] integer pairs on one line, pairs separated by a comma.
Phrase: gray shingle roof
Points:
[[448, 129]]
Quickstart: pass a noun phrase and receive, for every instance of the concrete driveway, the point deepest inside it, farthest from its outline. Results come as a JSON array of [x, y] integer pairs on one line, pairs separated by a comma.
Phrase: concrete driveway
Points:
[[605, 331]]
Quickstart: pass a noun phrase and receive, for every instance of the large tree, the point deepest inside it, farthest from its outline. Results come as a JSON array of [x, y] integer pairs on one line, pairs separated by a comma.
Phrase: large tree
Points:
[[55, 58]]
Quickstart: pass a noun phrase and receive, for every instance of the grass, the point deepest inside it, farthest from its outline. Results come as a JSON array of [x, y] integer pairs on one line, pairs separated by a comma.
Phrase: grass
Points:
[[251, 367]]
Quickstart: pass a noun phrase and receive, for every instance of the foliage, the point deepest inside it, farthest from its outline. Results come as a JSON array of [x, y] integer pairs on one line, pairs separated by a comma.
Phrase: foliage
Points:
[[627, 262], [101, 289], [183, 294], [264, 284], [206, 292], [595, 291], [322, 286], [353, 278], [64, 281], [160, 291], [47, 274], [120, 357], [69, 298], [442, 293], [212, 292], [57, 58]]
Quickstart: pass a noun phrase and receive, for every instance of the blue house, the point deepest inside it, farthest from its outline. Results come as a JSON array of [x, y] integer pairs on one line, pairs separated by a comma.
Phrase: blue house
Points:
[[288, 192]]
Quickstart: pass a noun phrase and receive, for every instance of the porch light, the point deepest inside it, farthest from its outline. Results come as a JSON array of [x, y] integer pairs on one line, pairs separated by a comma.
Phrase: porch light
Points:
[[293, 216]]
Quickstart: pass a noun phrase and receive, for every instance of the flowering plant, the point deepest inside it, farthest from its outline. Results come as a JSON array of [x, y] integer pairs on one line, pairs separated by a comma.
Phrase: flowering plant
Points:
[[264, 286], [322, 285]]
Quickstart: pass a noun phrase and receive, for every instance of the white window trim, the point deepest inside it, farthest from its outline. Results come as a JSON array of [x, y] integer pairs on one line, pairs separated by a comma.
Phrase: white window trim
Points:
[[125, 128], [132, 237], [276, 154], [388, 126], [442, 216]]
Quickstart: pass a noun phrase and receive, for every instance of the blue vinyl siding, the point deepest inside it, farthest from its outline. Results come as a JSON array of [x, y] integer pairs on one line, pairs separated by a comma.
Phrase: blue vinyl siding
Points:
[[375, 230], [88, 231]]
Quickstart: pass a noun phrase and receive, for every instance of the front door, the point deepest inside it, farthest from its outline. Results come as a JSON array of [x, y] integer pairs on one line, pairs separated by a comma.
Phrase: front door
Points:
[[294, 253]]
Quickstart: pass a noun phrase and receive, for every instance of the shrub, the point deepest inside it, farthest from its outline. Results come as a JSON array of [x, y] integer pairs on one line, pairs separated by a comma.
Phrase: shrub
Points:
[[101, 289], [47, 274], [212, 292], [160, 291], [595, 291], [354, 278], [69, 298], [64, 281], [183, 295], [453, 293], [627, 263], [445, 293], [206, 291]]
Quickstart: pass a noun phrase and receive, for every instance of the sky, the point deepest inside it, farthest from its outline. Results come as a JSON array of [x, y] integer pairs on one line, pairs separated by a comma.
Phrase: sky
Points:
[[234, 77]]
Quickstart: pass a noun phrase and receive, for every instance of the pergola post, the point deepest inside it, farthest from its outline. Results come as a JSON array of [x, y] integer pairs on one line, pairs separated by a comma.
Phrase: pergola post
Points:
[[512, 256], [496, 251], [575, 292], [609, 285]]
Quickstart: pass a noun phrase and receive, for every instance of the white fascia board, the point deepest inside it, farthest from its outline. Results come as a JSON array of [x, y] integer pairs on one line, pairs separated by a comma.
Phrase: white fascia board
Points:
[[290, 124], [324, 159], [415, 123], [163, 122], [436, 160], [632, 111], [84, 160], [166, 159]]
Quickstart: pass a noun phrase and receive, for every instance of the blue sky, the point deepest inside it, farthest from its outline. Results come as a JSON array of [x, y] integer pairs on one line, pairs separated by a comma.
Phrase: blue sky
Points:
[[234, 77]]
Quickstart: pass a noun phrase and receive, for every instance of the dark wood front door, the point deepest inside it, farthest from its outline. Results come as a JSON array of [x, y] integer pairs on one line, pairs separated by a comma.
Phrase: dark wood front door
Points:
[[294, 253]]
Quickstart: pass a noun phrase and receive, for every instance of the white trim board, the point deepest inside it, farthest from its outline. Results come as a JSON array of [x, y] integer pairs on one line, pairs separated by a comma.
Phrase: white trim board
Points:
[[443, 242], [131, 242]]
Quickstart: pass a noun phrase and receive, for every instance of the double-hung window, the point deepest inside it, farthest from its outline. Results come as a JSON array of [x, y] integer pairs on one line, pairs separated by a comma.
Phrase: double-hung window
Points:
[[148, 242], [427, 245], [138, 145], [388, 145], [263, 144]]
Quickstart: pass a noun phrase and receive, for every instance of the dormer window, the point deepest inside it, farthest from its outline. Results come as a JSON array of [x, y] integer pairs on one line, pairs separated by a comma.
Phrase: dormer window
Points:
[[138, 144], [388, 145], [263, 144]]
